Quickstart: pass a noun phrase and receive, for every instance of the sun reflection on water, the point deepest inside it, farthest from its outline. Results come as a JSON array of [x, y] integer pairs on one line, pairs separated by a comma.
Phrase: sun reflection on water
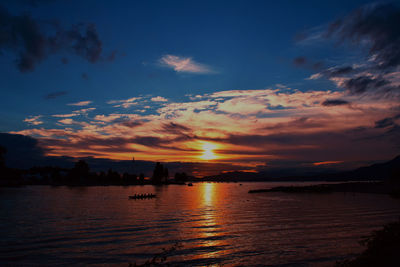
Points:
[[208, 190], [209, 227]]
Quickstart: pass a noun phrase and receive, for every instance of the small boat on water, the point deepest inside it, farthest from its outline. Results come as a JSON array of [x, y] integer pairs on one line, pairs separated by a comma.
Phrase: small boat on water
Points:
[[142, 196]]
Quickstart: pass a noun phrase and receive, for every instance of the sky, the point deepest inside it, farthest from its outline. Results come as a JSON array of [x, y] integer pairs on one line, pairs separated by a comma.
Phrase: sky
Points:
[[256, 84]]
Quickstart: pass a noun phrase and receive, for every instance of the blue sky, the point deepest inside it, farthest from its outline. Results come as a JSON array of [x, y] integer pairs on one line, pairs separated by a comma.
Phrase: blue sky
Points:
[[177, 50], [250, 45]]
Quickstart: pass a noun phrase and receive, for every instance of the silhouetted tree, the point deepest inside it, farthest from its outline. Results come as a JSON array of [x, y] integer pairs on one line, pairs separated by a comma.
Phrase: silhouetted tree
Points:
[[113, 177], [158, 173], [82, 167], [102, 178], [79, 173], [3, 151], [141, 178], [133, 164], [166, 174], [181, 177], [394, 178], [128, 179]]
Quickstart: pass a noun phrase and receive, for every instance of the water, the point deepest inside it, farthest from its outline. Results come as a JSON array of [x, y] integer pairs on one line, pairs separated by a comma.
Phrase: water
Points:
[[216, 223]]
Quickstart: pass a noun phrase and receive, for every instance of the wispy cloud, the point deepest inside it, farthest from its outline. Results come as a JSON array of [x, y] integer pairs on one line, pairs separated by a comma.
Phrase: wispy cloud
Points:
[[159, 99], [74, 113], [83, 110], [80, 103], [69, 115], [327, 162], [55, 95], [34, 120], [125, 103], [66, 121], [185, 64]]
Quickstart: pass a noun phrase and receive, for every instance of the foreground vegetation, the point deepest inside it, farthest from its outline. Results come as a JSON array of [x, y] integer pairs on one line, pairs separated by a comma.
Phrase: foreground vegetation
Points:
[[159, 259], [383, 248], [80, 175]]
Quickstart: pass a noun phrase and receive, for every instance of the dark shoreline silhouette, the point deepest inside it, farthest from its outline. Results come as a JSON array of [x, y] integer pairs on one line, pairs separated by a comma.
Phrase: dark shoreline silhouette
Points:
[[374, 172], [382, 248], [80, 175], [387, 181], [381, 187]]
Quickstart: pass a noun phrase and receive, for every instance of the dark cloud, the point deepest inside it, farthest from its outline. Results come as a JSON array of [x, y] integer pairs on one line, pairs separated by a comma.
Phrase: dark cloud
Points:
[[257, 140], [85, 43], [299, 61], [374, 26], [149, 141], [308, 63], [303, 122], [20, 148], [386, 122], [131, 124], [361, 84], [317, 65], [28, 39], [175, 128], [64, 60], [55, 95], [340, 71], [334, 102], [379, 25], [85, 76], [112, 56], [35, 3], [358, 144], [111, 144]]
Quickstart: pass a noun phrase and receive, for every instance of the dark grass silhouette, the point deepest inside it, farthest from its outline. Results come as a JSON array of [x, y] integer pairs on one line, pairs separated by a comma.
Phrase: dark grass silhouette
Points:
[[383, 248], [159, 259]]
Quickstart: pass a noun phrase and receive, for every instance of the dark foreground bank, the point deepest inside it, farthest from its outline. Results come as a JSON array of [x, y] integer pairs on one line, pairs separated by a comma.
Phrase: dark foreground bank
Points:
[[382, 248], [385, 187]]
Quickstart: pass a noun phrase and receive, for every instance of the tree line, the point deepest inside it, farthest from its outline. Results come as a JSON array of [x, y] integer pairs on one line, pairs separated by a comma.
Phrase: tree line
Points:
[[81, 175]]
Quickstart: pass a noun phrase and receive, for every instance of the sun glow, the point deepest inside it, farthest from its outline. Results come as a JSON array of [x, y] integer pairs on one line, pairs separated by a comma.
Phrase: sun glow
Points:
[[208, 153]]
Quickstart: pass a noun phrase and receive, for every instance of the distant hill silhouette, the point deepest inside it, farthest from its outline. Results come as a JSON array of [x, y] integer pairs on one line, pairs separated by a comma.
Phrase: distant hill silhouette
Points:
[[376, 172], [379, 171]]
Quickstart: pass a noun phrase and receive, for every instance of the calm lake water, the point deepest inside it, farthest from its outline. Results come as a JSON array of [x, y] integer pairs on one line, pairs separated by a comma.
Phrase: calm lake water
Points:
[[216, 223]]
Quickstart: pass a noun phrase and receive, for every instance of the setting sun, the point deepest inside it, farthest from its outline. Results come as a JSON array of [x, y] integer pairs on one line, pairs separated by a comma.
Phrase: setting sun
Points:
[[208, 153]]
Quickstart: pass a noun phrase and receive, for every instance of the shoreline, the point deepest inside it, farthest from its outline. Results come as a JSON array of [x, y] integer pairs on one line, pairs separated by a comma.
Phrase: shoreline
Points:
[[350, 187]]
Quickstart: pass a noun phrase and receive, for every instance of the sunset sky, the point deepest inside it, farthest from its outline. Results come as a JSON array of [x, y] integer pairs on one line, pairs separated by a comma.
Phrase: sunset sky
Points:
[[248, 83]]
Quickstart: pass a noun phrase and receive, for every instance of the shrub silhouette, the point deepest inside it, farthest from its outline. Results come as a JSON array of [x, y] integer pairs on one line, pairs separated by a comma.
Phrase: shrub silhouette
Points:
[[383, 248], [3, 151], [181, 177], [160, 174]]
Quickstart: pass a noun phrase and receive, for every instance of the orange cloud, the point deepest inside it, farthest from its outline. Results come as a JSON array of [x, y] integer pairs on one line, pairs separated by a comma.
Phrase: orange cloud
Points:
[[246, 127], [80, 103], [327, 162], [182, 64]]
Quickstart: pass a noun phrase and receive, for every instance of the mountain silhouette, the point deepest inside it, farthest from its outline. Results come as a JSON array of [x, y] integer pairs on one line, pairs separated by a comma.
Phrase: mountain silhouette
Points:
[[374, 172]]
